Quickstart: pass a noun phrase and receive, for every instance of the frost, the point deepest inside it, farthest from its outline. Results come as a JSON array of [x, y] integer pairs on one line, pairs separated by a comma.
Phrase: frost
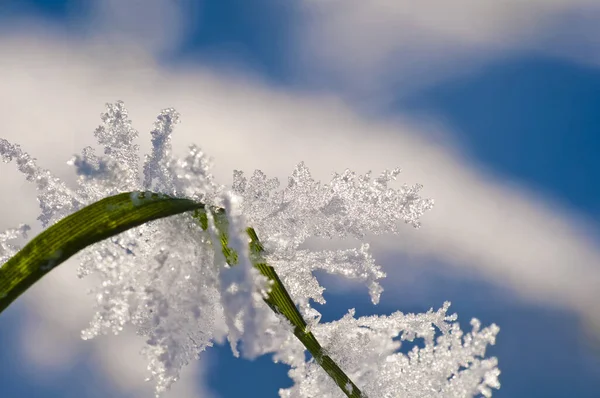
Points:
[[56, 200], [242, 287], [171, 281], [347, 206], [158, 173], [355, 264], [8, 249], [367, 349], [116, 135]]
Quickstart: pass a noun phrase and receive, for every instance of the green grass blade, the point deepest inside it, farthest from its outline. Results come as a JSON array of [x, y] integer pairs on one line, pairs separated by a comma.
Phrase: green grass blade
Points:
[[93, 223], [113, 215]]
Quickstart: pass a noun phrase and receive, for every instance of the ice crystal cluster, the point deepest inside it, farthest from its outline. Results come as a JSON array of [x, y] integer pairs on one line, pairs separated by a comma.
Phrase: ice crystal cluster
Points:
[[167, 279]]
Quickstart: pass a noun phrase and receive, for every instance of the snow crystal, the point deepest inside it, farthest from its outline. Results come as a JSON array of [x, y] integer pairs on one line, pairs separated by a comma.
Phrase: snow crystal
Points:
[[117, 135], [242, 287], [158, 172], [367, 349], [347, 206], [8, 249], [55, 199]]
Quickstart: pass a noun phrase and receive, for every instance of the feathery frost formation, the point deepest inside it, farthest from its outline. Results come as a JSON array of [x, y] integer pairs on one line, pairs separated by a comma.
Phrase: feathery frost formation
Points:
[[168, 281]]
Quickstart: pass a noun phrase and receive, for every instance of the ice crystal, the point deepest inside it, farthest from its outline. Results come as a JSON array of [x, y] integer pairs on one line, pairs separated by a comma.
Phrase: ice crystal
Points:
[[367, 349], [8, 249], [55, 199], [170, 280], [240, 297], [347, 206]]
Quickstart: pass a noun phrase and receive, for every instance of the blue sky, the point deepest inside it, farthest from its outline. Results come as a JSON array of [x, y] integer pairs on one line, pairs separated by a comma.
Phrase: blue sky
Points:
[[531, 118], [525, 116]]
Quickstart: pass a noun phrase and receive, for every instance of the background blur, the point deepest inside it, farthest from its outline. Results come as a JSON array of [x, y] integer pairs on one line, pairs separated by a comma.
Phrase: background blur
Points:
[[492, 105]]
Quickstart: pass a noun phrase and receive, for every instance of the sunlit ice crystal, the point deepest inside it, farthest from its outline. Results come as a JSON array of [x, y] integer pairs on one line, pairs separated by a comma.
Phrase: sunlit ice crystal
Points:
[[367, 348]]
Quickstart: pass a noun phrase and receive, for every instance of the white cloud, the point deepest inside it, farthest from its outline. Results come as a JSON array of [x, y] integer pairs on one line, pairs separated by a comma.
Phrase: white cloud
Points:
[[54, 90], [154, 25], [365, 46]]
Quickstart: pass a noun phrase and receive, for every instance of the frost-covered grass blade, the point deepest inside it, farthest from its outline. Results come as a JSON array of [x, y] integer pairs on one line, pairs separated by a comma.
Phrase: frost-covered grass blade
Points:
[[113, 215], [93, 223]]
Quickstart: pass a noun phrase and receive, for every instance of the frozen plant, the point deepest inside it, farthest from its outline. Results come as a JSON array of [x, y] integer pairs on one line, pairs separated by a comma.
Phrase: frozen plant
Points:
[[169, 279]]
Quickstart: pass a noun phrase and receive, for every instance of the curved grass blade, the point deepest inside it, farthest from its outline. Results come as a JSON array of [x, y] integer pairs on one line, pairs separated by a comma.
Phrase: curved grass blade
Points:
[[93, 223], [116, 214]]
